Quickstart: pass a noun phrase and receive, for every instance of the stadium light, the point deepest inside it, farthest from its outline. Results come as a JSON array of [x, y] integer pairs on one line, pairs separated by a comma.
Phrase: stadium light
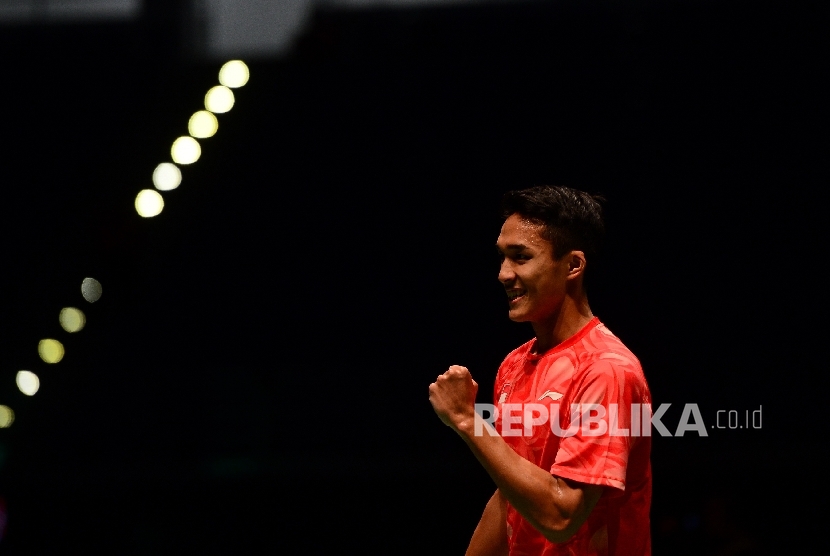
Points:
[[28, 382], [72, 319], [6, 416], [234, 74], [167, 176], [219, 99], [91, 289], [202, 124], [185, 150], [51, 351], [149, 203]]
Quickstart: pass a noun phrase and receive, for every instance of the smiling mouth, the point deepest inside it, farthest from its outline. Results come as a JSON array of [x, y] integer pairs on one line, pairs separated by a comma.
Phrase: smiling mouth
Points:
[[514, 296]]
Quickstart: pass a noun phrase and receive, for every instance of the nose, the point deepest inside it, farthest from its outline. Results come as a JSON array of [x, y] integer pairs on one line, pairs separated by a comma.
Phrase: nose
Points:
[[506, 274]]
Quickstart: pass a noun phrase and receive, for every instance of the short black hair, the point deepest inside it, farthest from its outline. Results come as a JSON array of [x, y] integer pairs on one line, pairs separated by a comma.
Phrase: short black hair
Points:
[[571, 219]]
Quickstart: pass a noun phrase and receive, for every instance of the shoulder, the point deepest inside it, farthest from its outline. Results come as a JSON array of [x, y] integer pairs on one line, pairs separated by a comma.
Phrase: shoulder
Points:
[[518, 353], [602, 356], [515, 357], [602, 346]]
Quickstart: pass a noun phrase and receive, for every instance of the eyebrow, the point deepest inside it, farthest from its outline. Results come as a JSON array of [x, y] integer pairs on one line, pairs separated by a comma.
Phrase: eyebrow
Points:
[[511, 247]]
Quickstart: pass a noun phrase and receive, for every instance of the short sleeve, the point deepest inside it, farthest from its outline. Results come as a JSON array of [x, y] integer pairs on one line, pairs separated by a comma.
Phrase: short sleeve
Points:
[[598, 449]]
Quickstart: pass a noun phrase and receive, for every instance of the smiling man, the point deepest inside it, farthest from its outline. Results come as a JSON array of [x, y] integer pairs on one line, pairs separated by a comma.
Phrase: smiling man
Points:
[[574, 477]]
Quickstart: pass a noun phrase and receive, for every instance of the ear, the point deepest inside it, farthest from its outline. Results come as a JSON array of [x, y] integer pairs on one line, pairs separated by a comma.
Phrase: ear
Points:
[[576, 264]]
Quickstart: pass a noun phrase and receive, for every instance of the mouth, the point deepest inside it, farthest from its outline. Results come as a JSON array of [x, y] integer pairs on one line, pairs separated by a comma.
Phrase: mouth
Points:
[[515, 296]]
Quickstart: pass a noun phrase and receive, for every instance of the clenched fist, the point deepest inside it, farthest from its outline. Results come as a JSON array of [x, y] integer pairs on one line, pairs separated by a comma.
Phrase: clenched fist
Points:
[[453, 396]]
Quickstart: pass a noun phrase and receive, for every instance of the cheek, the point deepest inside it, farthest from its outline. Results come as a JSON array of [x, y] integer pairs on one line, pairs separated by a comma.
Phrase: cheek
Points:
[[550, 287]]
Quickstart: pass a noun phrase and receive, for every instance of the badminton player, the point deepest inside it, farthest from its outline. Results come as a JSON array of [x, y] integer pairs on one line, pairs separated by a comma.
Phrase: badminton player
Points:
[[578, 483]]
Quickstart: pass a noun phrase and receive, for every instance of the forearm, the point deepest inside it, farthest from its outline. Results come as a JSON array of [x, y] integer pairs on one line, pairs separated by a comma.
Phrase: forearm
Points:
[[541, 498], [490, 536], [554, 506]]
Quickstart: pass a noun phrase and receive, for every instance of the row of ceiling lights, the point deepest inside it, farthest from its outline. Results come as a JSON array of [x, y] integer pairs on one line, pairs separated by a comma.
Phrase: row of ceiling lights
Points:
[[148, 203]]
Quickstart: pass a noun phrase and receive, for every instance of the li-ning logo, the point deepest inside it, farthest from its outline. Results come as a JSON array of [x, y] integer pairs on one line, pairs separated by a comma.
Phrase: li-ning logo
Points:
[[551, 394]]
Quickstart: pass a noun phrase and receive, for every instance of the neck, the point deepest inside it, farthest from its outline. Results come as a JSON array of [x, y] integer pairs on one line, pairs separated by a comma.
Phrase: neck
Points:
[[570, 318]]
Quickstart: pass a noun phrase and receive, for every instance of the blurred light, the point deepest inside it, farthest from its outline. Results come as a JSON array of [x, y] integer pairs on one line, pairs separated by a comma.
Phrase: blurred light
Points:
[[28, 382], [72, 319], [91, 289], [167, 176], [185, 150], [148, 203], [234, 74], [219, 99], [6, 416], [50, 350], [202, 124]]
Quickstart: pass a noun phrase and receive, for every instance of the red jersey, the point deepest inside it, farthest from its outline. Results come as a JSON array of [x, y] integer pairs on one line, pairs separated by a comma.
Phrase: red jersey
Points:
[[591, 367]]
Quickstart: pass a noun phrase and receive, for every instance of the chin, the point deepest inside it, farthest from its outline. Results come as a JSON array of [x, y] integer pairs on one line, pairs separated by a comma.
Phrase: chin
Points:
[[517, 316]]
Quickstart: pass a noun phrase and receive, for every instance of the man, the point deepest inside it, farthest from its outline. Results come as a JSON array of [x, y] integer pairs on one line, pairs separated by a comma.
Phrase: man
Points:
[[581, 483]]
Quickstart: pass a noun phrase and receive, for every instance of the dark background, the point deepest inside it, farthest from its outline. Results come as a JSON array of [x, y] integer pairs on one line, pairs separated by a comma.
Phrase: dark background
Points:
[[254, 378]]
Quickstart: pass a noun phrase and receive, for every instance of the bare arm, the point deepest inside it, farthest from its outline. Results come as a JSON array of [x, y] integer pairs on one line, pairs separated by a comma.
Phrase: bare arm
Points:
[[490, 536], [554, 506]]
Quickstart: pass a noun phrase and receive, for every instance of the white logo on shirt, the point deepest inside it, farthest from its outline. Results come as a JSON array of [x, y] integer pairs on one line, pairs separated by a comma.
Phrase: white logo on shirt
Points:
[[551, 394]]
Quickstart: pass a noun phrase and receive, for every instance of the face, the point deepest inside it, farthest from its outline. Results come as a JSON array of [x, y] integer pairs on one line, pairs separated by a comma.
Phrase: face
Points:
[[534, 280]]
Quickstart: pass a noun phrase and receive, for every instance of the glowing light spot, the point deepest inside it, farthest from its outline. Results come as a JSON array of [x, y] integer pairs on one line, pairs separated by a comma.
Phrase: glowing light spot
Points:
[[148, 203], [91, 289], [185, 150], [6, 416], [167, 176], [50, 350], [28, 382], [219, 99], [202, 124], [234, 74], [72, 319]]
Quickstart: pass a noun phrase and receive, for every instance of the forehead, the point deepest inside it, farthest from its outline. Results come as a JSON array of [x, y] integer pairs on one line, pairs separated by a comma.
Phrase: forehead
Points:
[[516, 231]]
